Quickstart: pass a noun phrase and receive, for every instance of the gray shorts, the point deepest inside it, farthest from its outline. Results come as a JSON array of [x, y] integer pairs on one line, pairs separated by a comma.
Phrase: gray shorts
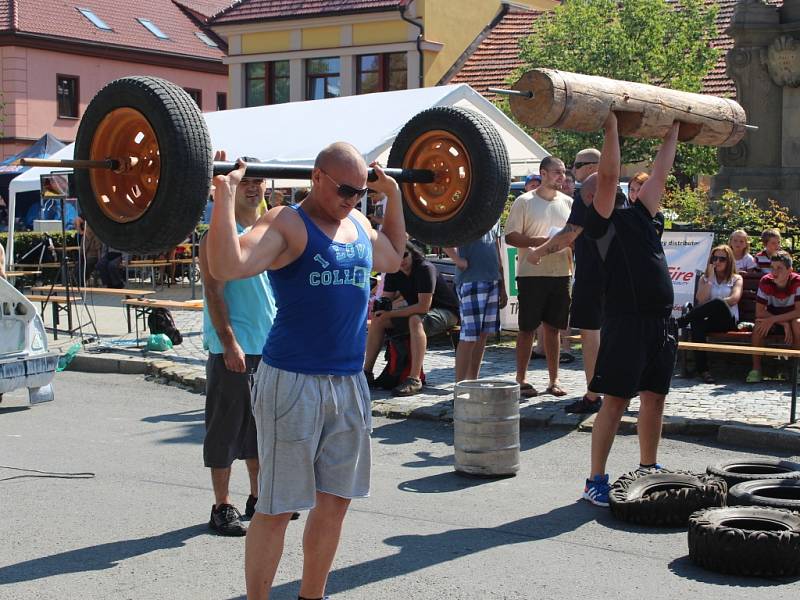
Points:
[[313, 436], [434, 322]]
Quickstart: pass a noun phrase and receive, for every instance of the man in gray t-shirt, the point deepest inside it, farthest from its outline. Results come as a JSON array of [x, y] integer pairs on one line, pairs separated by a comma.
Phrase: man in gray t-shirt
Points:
[[481, 292]]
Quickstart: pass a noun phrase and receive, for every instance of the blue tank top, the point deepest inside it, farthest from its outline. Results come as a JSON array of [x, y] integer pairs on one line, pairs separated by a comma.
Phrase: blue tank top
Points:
[[320, 327], [251, 309]]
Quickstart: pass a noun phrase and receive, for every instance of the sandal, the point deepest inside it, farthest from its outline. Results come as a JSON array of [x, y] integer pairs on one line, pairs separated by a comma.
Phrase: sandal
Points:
[[526, 390], [555, 390]]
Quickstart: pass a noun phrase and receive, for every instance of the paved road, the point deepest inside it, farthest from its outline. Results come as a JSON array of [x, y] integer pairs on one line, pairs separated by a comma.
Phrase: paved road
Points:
[[138, 529]]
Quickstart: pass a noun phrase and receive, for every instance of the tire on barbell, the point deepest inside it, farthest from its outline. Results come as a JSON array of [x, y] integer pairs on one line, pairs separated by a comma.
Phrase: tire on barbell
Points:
[[664, 499], [185, 175], [489, 176], [776, 493], [738, 471], [746, 540]]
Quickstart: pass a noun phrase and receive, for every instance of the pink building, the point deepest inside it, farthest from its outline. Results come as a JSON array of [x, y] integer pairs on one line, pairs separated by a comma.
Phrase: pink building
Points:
[[56, 54]]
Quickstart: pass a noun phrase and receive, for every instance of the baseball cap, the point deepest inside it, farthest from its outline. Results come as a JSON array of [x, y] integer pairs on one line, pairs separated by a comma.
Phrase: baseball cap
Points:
[[588, 156], [533, 177]]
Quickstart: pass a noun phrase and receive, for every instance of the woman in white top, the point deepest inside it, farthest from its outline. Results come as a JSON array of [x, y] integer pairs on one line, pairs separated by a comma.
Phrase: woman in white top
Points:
[[718, 295], [740, 244]]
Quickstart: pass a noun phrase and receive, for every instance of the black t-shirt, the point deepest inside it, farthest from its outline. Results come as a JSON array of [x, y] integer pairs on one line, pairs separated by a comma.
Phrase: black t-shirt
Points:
[[636, 273], [424, 279], [588, 266]]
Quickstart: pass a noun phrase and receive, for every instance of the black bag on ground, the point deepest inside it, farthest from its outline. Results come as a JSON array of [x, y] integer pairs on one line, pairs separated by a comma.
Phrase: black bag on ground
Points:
[[160, 321], [398, 362]]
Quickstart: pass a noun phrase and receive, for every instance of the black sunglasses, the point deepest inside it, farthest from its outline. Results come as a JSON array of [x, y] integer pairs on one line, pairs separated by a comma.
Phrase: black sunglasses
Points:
[[578, 165], [346, 191], [719, 258]]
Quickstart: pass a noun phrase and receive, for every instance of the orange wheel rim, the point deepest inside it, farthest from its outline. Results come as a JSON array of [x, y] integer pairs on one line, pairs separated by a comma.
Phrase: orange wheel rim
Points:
[[125, 195], [444, 154]]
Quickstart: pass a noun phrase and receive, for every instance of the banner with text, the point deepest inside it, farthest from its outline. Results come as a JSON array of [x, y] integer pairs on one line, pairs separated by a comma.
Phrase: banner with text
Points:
[[687, 253]]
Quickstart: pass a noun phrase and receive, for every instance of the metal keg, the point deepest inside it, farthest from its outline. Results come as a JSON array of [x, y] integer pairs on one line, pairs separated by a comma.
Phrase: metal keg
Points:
[[486, 424]]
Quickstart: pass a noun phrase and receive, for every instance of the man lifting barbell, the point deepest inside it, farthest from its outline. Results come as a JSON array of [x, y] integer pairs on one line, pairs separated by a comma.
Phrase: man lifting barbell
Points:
[[311, 400]]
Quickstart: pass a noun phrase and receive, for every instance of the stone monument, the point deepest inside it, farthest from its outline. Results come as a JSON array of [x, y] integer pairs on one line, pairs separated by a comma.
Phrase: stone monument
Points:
[[765, 65]]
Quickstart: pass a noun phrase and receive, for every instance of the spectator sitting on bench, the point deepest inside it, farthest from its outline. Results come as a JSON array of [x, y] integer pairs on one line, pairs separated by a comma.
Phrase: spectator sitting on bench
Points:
[[777, 308], [771, 240], [718, 295], [740, 244], [110, 268], [431, 308]]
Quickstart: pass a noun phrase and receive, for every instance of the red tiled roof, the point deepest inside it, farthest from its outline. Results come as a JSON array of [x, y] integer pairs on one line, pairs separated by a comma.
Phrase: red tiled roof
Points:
[[60, 19], [205, 8], [258, 10], [496, 57], [6, 16]]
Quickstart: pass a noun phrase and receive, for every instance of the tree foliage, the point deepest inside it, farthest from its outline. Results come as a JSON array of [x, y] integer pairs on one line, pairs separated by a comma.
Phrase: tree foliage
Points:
[[647, 41]]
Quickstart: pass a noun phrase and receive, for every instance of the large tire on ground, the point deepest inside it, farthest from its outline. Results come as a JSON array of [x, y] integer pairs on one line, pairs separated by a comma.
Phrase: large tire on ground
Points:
[[739, 471], [662, 498], [156, 205], [746, 540], [777, 493], [468, 197]]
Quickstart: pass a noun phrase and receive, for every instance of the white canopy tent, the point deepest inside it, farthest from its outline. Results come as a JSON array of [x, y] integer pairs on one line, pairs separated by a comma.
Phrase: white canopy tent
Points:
[[293, 133]]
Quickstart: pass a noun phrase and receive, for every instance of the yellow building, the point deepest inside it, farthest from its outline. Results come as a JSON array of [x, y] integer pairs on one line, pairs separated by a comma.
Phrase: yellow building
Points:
[[281, 51]]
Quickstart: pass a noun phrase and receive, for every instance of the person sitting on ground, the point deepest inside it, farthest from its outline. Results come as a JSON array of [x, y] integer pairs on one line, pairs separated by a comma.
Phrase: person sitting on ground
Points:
[[718, 295], [777, 308], [740, 244], [431, 309], [481, 293], [771, 240]]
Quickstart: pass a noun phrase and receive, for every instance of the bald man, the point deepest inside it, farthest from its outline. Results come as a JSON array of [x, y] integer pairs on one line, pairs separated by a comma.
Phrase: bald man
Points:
[[311, 399]]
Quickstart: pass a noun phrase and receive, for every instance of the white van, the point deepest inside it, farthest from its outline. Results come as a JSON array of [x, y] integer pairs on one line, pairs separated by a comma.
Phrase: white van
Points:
[[25, 361]]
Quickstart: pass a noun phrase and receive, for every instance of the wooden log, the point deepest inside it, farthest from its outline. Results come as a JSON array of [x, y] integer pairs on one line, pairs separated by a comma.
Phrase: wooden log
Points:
[[578, 102]]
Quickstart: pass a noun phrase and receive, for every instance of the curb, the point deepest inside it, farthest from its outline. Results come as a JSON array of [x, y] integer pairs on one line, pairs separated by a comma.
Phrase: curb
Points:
[[736, 434]]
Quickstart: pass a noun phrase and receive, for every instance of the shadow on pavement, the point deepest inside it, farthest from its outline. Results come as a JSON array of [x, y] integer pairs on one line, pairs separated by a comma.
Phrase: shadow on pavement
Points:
[[444, 482], [96, 558], [683, 567], [192, 432]]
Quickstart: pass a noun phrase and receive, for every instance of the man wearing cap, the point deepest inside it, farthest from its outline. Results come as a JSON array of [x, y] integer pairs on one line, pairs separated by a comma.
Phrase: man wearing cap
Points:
[[585, 311], [543, 288], [532, 181]]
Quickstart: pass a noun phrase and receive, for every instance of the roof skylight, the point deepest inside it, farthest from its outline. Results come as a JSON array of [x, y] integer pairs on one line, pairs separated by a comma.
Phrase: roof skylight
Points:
[[205, 39], [94, 19], [151, 27]]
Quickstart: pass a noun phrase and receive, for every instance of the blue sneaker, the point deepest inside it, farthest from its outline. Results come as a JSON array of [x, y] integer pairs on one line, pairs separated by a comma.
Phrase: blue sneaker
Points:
[[596, 490]]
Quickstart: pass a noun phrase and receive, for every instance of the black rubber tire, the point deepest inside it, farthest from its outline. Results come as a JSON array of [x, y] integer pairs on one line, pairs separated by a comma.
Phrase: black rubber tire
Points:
[[664, 499], [776, 493], [186, 164], [490, 175], [739, 471], [746, 540]]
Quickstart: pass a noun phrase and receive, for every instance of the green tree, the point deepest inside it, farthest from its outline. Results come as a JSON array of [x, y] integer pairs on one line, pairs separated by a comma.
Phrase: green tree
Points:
[[646, 41]]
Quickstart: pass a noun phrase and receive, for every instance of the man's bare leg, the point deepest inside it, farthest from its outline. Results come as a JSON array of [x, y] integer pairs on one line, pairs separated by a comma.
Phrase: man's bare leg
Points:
[[418, 343], [262, 553], [651, 410], [252, 473], [524, 346], [477, 356], [604, 431], [551, 347], [464, 352], [320, 541], [220, 482], [590, 343], [375, 335]]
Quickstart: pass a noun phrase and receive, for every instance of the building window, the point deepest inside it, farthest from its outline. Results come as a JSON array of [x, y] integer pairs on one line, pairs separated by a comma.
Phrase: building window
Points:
[[153, 28], [197, 96], [222, 101], [322, 78], [266, 83], [381, 73], [94, 19], [67, 89]]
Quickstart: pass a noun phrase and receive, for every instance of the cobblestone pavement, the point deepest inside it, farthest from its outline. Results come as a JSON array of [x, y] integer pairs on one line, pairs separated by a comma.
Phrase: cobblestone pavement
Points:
[[729, 400]]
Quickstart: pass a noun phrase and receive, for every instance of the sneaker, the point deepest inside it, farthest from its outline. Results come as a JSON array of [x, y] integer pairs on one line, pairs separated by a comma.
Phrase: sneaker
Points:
[[596, 490], [408, 387], [754, 377], [584, 406], [250, 509], [643, 470], [226, 520]]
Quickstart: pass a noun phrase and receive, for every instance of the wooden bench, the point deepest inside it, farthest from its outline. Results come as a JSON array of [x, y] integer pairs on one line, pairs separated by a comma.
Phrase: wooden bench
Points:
[[58, 304], [143, 307], [89, 291]]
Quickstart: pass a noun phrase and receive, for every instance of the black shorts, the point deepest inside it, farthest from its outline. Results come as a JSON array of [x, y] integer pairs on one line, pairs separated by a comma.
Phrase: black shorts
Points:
[[637, 354], [586, 310], [230, 427], [543, 300]]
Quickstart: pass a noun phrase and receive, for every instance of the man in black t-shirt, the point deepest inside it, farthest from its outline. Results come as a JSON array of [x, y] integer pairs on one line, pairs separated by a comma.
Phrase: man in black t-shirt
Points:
[[637, 352], [431, 308]]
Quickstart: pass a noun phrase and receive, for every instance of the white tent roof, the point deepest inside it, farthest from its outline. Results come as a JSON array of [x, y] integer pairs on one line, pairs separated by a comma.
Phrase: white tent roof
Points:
[[293, 133]]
